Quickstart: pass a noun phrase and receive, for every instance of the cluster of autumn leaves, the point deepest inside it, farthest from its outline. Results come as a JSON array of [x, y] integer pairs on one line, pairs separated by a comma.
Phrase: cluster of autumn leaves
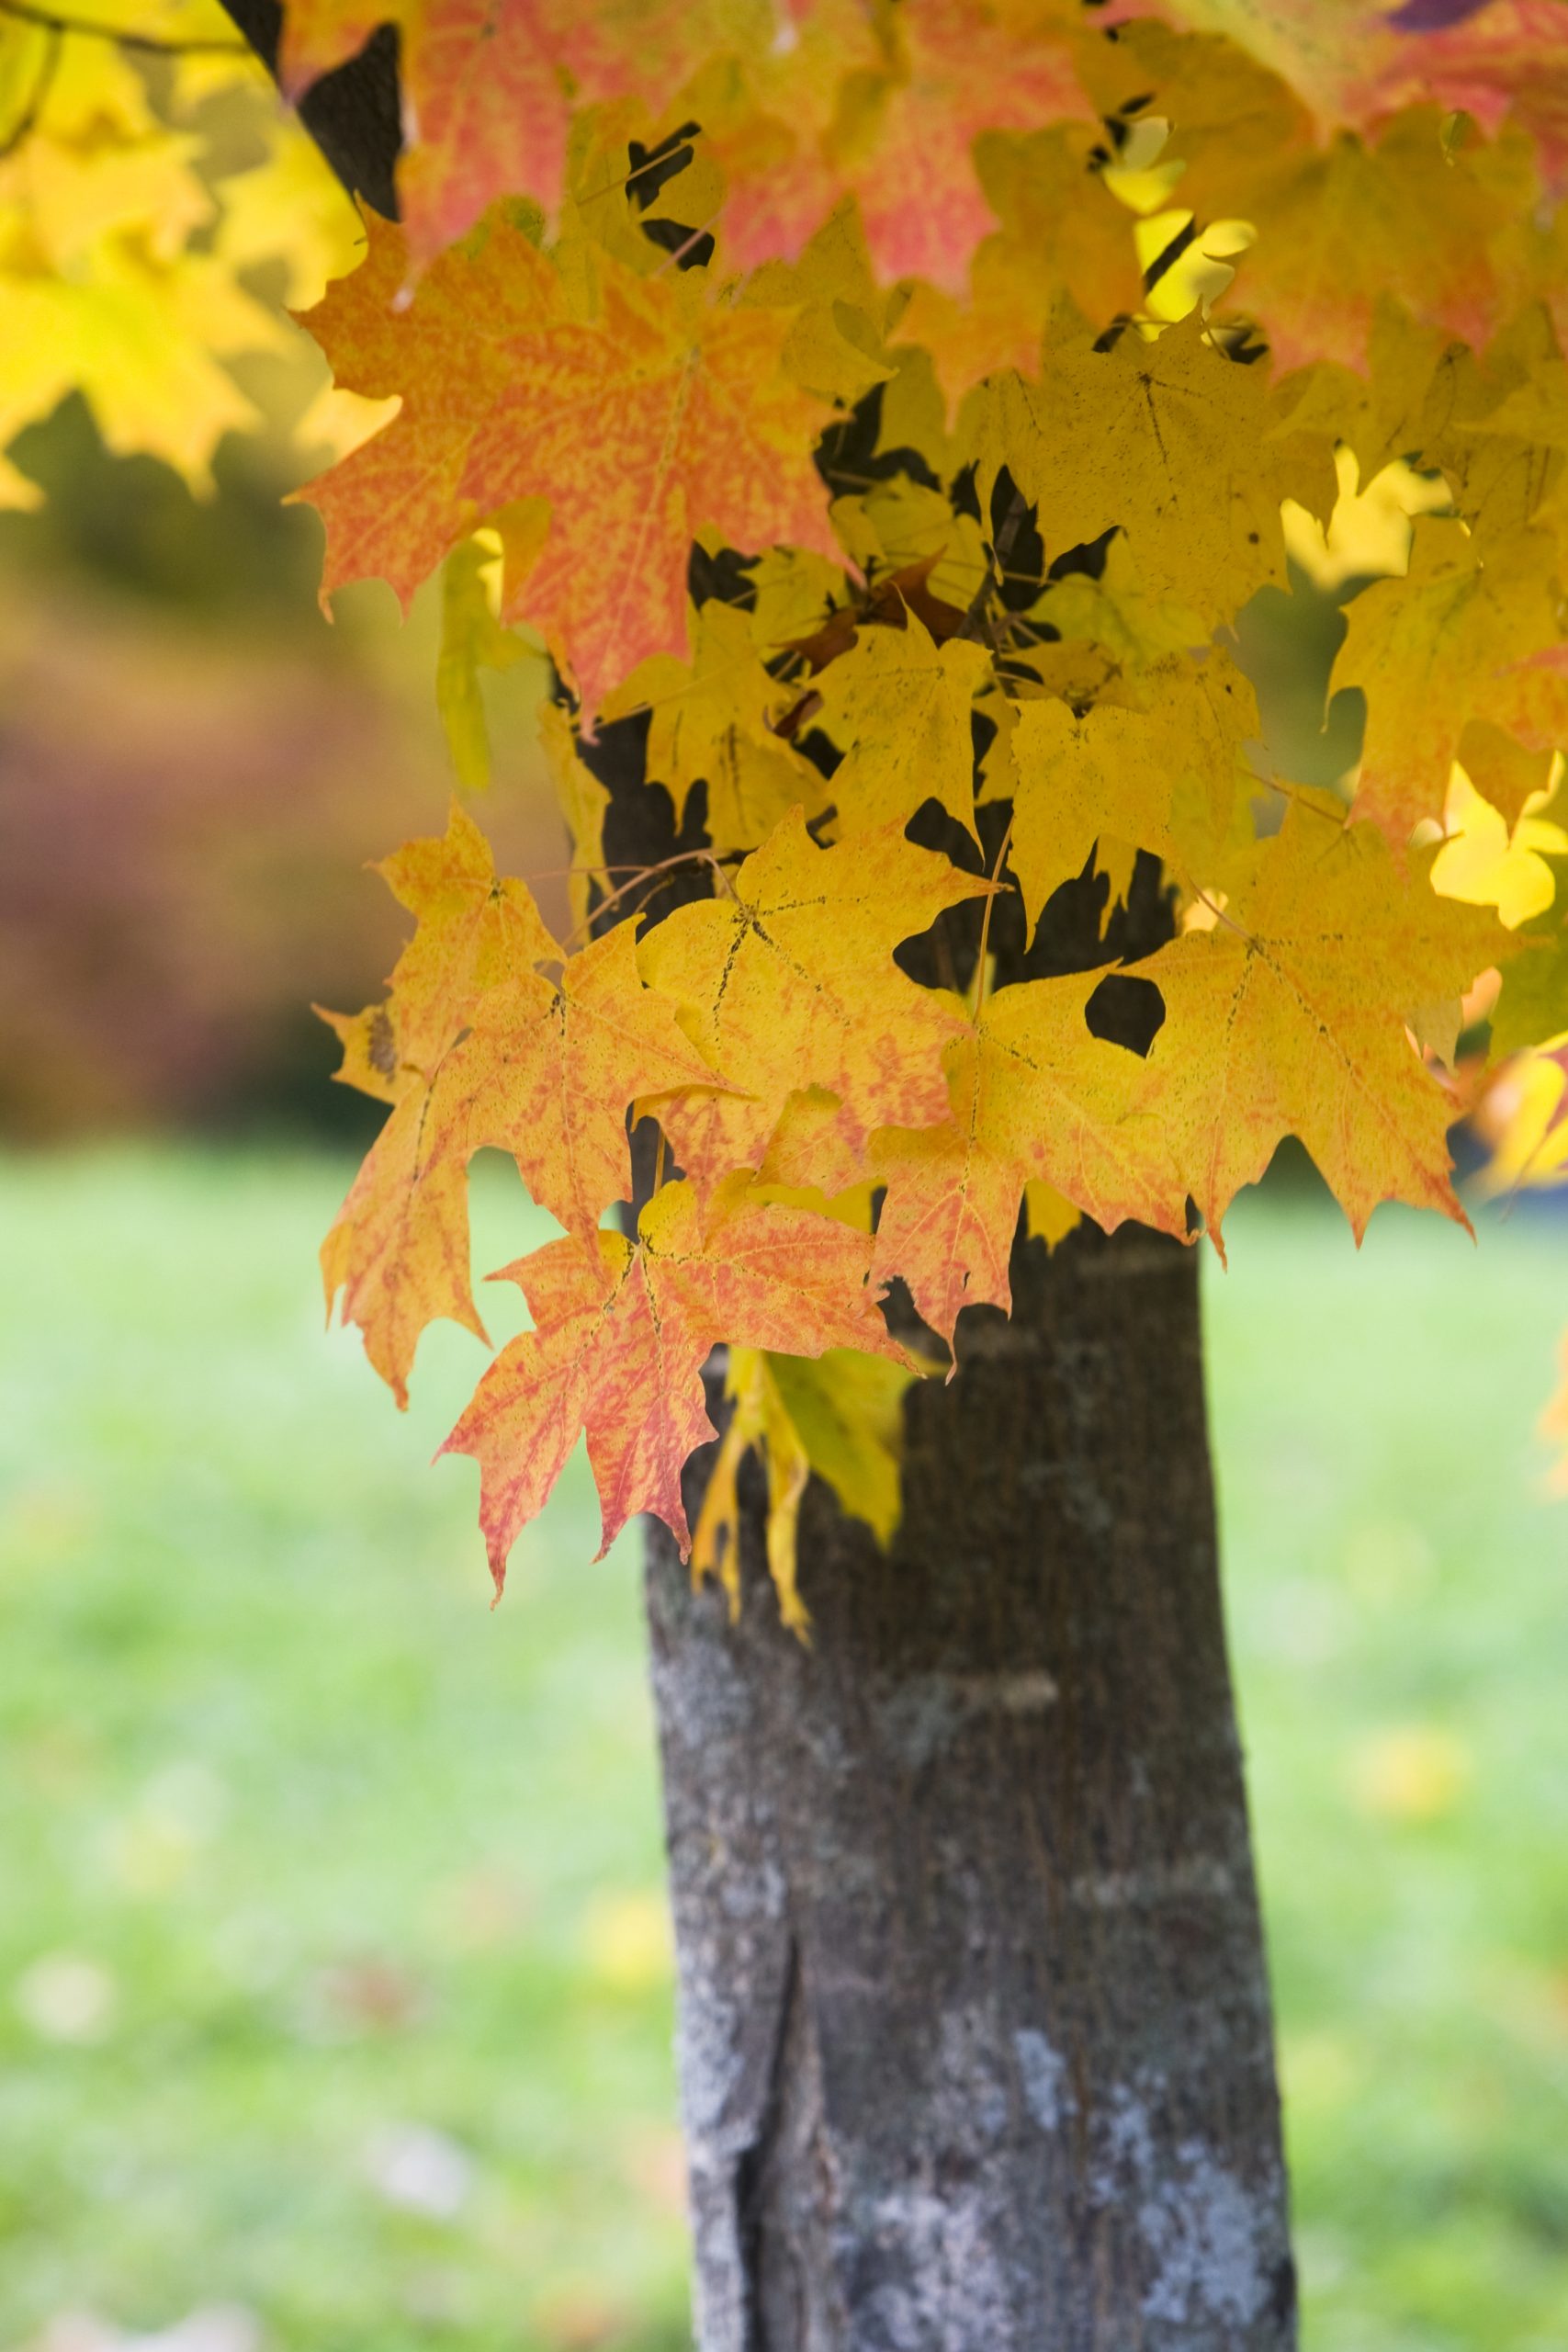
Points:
[[973, 516]]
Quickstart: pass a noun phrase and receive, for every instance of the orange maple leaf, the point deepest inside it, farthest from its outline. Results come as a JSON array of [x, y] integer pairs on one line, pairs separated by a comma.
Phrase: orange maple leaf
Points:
[[621, 1331], [664, 412], [786, 983], [490, 87]]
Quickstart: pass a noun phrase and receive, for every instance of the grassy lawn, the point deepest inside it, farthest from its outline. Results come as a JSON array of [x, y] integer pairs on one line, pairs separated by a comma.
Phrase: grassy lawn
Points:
[[333, 1980]]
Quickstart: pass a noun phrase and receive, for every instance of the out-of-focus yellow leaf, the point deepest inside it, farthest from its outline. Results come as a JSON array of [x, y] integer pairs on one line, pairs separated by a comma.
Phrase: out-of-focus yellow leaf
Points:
[[472, 639], [1487, 864], [291, 208], [1416, 1774], [118, 265], [1368, 535], [1523, 1119], [849, 1411]]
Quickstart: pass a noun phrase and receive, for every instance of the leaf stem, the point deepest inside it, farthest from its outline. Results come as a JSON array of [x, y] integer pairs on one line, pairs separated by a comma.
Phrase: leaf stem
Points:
[[979, 982]]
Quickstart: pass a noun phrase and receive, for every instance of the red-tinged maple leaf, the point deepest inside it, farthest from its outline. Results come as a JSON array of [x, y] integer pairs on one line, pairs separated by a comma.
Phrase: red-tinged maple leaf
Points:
[[787, 983], [903, 137], [399, 1248], [1337, 229], [621, 1331], [489, 87], [1356, 63], [1507, 58], [1035, 1095], [663, 413], [547, 1073]]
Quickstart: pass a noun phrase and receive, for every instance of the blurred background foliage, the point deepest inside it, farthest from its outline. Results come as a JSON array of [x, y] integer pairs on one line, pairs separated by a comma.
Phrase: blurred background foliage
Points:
[[335, 1982]]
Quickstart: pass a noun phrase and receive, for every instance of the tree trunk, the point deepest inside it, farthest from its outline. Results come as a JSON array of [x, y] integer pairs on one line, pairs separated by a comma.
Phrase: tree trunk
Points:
[[976, 2047], [974, 2037]]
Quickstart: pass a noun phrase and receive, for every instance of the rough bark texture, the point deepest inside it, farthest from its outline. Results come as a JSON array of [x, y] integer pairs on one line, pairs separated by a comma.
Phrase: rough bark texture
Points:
[[974, 2040]]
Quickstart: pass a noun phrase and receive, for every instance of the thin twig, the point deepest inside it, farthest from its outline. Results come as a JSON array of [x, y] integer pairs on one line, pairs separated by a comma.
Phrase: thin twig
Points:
[[645, 874], [693, 237], [1220, 916]]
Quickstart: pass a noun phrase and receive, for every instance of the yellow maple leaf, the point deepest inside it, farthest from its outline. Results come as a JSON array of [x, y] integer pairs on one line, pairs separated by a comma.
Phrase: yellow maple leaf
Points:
[[471, 638], [786, 982], [847, 1410], [398, 1249], [547, 1073], [583, 801], [1286, 1015], [711, 720], [1430, 651], [760, 1422], [1035, 1095], [476, 928], [1489, 863], [899, 706], [1159, 777], [1168, 440]]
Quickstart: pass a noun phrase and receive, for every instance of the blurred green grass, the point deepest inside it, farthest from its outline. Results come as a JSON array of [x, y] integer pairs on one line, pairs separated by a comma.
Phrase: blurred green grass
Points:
[[333, 1984]]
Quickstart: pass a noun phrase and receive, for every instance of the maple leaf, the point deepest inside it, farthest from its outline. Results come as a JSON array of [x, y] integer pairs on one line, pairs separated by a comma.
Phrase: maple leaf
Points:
[[1034, 1096], [1287, 1016], [787, 983], [398, 1246], [475, 929], [621, 1330], [548, 1072], [694, 423], [899, 706], [489, 87], [1169, 441], [1159, 777], [760, 1421], [1433, 650], [583, 801], [398, 1249], [847, 1410], [112, 283], [712, 720], [902, 137], [1335, 230], [472, 639], [1062, 233]]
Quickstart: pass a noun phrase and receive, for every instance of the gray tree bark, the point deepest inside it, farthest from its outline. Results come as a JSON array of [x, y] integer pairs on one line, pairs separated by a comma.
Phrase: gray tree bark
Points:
[[975, 2039]]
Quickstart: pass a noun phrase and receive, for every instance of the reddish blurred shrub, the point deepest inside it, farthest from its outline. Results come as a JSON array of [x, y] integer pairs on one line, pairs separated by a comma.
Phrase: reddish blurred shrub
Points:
[[184, 822]]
